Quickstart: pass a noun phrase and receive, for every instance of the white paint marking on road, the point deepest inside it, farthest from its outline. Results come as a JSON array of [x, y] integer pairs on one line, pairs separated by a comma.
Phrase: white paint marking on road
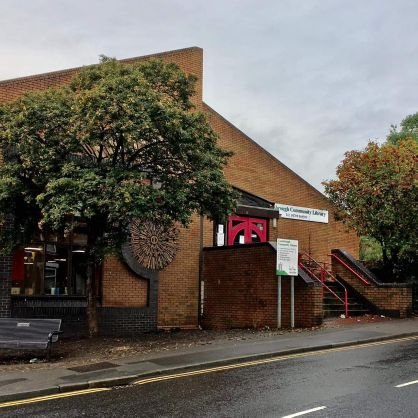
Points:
[[308, 411], [414, 382]]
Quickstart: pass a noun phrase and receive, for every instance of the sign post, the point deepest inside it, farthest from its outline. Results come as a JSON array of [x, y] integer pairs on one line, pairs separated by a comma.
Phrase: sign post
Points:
[[287, 265], [292, 301], [279, 302]]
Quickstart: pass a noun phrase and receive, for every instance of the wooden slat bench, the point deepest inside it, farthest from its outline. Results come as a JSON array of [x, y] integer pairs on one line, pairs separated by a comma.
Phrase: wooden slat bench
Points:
[[27, 334]]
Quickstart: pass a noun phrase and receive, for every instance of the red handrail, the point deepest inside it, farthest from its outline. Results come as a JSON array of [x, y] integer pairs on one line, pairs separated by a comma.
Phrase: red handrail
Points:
[[312, 274], [324, 273], [350, 269]]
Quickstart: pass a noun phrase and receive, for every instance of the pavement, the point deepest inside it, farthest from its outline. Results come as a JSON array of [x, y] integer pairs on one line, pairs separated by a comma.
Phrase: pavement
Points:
[[28, 384]]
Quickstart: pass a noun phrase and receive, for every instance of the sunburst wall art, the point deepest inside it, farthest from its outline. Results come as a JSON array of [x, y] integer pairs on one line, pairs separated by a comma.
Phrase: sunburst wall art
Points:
[[154, 246]]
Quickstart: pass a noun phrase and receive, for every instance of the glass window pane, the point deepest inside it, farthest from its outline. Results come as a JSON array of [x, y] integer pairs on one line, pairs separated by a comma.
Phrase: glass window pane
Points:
[[34, 269], [52, 268], [56, 270], [79, 270]]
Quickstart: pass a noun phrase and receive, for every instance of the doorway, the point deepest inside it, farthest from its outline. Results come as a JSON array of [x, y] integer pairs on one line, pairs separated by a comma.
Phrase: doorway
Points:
[[244, 230]]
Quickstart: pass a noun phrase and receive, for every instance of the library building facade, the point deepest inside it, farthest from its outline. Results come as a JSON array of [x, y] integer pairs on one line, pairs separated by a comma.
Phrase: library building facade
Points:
[[221, 275]]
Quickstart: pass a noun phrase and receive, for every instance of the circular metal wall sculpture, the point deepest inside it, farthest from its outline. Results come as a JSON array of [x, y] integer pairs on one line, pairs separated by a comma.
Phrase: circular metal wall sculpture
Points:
[[153, 246]]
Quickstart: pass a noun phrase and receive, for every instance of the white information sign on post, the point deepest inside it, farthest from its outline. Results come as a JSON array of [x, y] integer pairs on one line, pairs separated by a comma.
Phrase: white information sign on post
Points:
[[287, 265], [287, 257]]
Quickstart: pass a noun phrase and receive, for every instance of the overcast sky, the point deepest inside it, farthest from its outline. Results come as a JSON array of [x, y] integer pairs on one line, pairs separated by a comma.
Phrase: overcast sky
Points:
[[306, 79]]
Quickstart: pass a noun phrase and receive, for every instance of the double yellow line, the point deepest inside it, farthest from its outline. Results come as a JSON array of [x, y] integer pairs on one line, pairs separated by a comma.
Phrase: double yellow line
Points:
[[269, 360], [209, 370], [52, 397]]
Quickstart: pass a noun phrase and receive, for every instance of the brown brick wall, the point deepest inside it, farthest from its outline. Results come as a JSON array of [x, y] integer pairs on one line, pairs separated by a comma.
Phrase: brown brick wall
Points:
[[190, 60], [392, 300], [122, 287], [251, 169], [256, 171], [241, 290], [178, 296], [179, 283]]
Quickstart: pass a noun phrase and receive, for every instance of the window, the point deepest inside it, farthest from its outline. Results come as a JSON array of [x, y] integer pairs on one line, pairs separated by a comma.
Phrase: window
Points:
[[51, 268]]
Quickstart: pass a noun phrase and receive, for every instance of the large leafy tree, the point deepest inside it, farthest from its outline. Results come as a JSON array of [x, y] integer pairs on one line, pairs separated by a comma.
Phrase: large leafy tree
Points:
[[121, 142], [376, 193]]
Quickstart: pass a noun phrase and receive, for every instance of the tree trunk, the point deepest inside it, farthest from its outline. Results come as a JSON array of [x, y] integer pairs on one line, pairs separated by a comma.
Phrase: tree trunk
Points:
[[91, 300], [389, 267], [386, 261], [395, 263]]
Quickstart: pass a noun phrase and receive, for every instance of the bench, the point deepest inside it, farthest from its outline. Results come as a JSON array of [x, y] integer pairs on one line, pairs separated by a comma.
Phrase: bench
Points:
[[27, 334]]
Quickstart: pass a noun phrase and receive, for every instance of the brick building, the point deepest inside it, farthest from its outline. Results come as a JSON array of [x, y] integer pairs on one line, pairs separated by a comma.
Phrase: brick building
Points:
[[133, 299]]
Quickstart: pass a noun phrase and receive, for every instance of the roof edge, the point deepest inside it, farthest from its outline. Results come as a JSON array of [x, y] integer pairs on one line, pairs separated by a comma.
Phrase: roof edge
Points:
[[72, 69], [267, 152]]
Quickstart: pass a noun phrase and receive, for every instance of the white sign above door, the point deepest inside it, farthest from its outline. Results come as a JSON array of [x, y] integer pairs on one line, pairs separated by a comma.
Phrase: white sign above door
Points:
[[300, 213]]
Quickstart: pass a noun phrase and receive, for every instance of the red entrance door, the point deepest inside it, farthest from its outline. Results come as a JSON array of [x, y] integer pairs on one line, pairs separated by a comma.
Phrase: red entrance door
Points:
[[242, 230]]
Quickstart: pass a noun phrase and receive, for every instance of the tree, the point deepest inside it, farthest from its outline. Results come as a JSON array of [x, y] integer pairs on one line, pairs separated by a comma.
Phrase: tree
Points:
[[121, 142], [376, 193], [370, 250], [408, 130]]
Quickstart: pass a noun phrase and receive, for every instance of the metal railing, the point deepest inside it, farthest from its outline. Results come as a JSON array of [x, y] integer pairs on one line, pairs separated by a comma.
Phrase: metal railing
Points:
[[344, 264], [306, 261]]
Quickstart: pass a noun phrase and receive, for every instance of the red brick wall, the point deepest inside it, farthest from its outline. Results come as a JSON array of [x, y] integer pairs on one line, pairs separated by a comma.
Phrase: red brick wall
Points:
[[122, 287], [308, 304], [241, 290], [393, 300]]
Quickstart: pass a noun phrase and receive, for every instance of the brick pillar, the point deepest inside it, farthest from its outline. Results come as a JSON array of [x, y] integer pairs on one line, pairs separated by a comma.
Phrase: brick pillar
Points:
[[5, 280], [5, 285]]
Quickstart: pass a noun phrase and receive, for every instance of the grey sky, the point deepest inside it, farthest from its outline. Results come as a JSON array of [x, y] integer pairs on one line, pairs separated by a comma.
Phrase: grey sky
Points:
[[307, 79]]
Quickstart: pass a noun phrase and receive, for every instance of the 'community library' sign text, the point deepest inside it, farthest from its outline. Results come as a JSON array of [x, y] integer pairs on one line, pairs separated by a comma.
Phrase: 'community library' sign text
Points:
[[302, 214]]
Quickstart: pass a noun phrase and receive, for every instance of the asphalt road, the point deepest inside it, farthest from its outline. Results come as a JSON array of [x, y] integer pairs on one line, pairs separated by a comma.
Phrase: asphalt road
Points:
[[355, 382]]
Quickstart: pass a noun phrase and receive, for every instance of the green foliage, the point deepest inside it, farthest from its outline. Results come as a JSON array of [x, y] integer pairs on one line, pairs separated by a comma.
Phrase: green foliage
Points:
[[35, 142], [94, 150], [376, 193], [370, 249], [408, 130]]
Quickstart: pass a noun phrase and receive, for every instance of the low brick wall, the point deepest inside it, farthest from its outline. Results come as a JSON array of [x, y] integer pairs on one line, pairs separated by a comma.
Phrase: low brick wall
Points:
[[127, 322], [72, 311], [113, 322], [5, 286], [391, 299], [240, 290]]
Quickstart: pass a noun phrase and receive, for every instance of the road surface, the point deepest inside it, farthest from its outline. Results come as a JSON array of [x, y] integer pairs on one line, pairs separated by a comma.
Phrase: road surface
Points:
[[375, 380]]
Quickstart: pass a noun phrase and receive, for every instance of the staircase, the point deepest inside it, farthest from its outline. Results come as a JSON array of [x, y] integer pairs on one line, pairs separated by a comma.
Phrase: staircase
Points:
[[333, 307], [390, 299], [338, 300]]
